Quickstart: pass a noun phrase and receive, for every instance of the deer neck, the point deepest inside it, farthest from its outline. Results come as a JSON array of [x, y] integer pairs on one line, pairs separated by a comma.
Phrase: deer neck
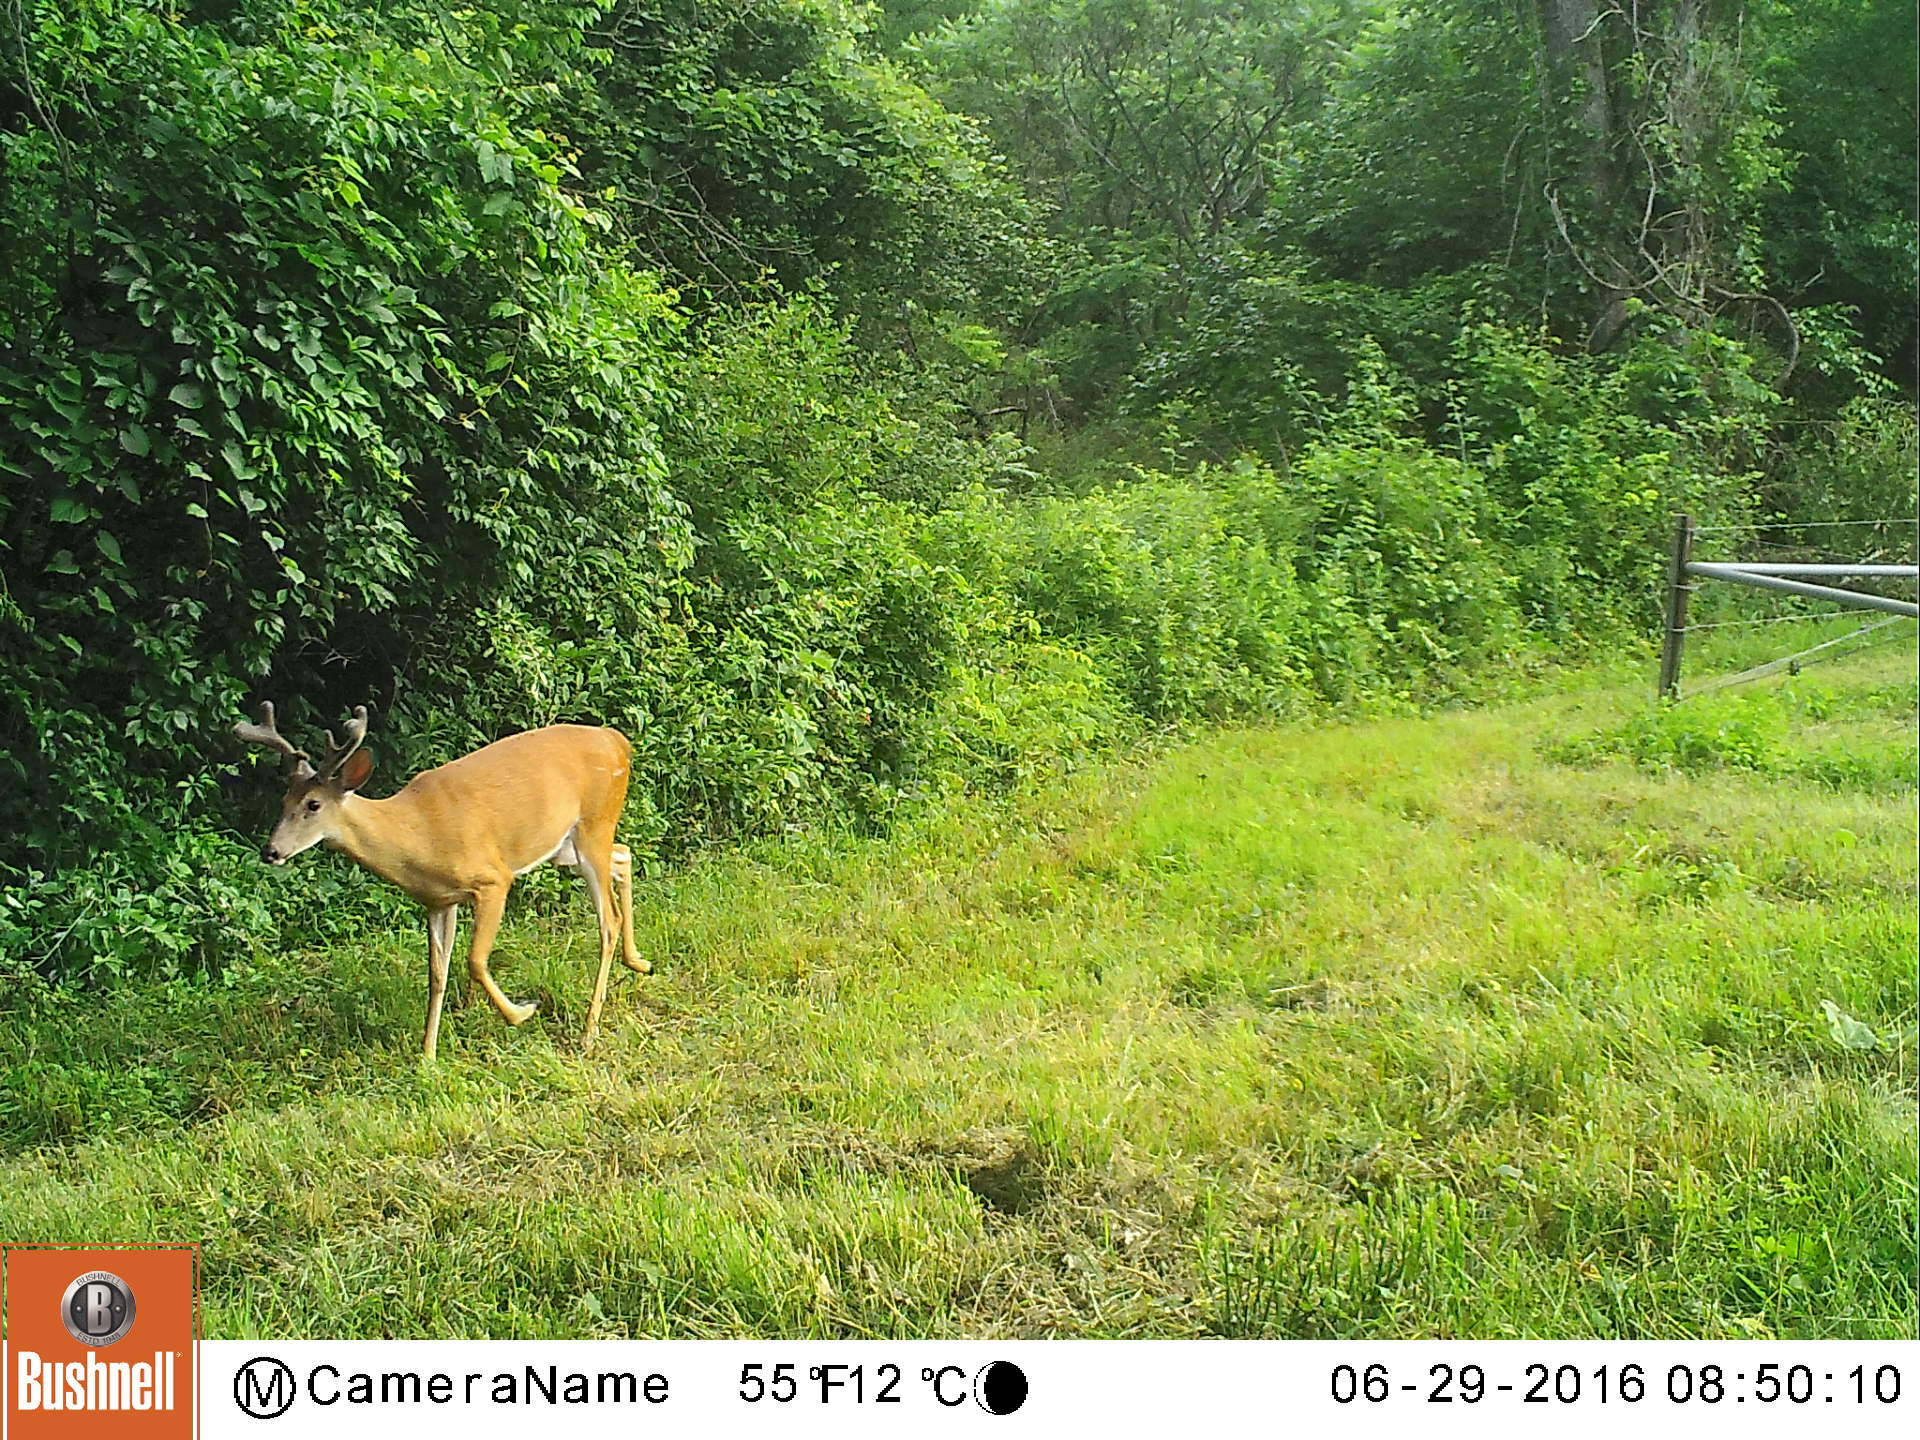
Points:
[[376, 834]]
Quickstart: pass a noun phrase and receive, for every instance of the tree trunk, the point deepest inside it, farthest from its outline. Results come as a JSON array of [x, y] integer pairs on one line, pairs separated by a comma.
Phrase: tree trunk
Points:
[[1575, 33]]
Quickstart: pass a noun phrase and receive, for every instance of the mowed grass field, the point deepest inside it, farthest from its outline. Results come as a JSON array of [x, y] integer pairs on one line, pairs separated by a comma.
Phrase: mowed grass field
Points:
[[1511, 1021]]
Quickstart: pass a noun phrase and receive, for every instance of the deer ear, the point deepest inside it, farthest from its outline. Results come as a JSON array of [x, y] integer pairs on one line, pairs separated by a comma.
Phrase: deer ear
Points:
[[354, 773]]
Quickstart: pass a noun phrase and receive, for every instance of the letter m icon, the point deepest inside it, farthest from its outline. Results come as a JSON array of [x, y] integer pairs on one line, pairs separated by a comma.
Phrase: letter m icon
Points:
[[263, 1388]]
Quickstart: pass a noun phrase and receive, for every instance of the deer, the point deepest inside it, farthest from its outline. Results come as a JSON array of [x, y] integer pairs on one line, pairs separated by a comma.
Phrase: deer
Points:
[[461, 833]]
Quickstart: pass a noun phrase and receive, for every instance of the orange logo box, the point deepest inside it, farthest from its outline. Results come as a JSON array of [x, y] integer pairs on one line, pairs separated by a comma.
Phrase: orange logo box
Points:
[[100, 1341]]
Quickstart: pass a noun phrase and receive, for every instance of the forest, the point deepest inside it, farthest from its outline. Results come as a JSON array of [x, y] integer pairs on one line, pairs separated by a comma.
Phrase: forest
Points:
[[1128, 538]]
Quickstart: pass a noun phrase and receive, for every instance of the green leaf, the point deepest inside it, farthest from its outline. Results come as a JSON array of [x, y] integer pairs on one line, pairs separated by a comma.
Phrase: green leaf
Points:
[[62, 563], [134, 440], [187, 396], [1847, 1031], [109, 546], [67, 510]]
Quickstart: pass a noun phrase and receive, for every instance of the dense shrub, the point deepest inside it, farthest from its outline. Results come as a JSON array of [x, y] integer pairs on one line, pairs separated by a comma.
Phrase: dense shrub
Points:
[[818, 630], [1860, 464], [308, 362], [1586, 462], [1270, 350], [1579, 461], [1247, 591], [1176, 597]]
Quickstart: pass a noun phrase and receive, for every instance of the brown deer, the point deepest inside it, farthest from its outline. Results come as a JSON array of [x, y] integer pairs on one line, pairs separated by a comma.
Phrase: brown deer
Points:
[[462, 832]]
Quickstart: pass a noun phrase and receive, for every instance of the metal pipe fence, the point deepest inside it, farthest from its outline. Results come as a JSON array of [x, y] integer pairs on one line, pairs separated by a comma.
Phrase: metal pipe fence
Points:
[[1683, 569]]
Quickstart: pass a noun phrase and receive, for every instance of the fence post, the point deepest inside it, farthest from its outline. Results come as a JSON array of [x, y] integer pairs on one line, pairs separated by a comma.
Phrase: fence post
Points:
[[1678, 588]]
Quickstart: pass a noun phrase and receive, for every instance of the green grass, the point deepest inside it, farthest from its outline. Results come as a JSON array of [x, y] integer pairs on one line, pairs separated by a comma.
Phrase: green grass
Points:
[[1488, 1023]]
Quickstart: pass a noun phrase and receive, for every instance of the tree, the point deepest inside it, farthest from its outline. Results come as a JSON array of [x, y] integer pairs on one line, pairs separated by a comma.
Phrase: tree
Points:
[[1841, 230], [1662, 150], [1146, 128], [738, 142]]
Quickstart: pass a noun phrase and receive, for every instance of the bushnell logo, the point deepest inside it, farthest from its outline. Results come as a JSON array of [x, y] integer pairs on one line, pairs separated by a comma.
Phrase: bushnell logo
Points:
[[69, 1315], [98, 1308]]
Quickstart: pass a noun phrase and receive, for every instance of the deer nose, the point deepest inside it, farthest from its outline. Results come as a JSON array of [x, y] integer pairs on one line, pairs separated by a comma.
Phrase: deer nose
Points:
[[269, 854]]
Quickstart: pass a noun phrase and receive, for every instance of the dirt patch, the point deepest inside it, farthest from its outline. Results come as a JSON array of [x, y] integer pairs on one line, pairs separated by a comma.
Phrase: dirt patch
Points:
[[1001, 1168]]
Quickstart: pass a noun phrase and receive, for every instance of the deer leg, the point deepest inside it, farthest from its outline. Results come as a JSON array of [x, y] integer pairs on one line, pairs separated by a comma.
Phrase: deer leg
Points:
[[600, 890], [489, 904], [623, 872], [441, 924]]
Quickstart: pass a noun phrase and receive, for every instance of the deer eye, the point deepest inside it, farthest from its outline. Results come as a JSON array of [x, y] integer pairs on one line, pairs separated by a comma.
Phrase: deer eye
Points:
[[312, 806]]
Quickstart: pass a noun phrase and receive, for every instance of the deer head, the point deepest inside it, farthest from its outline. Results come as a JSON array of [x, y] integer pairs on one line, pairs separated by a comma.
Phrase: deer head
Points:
[[314, 793]]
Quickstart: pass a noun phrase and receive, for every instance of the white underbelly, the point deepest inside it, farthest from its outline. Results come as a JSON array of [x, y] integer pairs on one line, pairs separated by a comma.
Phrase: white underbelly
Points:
[[561, 854]]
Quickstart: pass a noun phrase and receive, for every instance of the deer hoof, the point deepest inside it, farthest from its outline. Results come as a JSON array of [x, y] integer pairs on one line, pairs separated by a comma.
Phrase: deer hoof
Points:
[[520, 1014], [639, 967]]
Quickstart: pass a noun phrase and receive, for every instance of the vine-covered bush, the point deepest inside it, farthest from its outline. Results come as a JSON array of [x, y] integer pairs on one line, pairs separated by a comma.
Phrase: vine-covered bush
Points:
[[308, 359]]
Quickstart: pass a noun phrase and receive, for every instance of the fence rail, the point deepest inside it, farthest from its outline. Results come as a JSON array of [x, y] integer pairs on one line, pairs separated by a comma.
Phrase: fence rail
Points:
[[1747, 575], [1682, 568]]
